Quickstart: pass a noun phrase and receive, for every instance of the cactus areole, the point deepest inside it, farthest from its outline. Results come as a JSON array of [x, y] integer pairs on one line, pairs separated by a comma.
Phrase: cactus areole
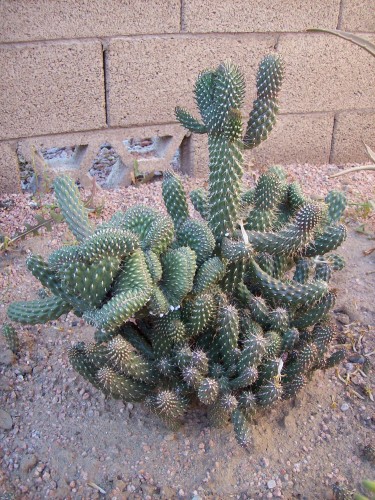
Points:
[[231, 309]]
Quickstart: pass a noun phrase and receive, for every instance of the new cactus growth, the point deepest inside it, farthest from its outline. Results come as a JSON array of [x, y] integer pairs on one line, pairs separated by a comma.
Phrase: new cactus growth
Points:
[[230, 310]]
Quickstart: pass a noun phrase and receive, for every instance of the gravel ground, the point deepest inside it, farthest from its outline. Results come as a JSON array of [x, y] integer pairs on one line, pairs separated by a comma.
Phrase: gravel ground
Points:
[[61, 439]]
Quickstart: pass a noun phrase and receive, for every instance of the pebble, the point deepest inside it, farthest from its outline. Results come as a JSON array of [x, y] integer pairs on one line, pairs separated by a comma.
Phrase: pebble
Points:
[[344, 407], [7, 357], [264, 462], [271, 484], [28, 462], [6, 421], [343, 318]]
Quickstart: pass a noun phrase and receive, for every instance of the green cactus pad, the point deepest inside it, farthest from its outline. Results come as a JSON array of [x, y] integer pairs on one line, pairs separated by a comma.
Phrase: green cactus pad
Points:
[[155, 231], [203, 310], [308, 316], [210, 273], [292, 294], [335, 359], [208, 391], [269, 393], [179, 268], [121, 387], [169, 407], [289, 338], [11, 337], [293, 238], [227, 331], [199, 199], [241, 428], [175, 198], [109, 242], [330, 239], [75, 213], [336, 201], [198, 236], [301, 273], [278, 319], [124, 357], [246, 377], [189, 122], [34, 312], [254, 348]]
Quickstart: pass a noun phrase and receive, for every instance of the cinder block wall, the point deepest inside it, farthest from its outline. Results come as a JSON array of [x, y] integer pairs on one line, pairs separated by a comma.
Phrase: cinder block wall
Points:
[[85, 72]]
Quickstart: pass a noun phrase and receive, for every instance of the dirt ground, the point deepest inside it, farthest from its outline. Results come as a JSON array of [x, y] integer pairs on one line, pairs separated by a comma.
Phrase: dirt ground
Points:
[[59, 437]]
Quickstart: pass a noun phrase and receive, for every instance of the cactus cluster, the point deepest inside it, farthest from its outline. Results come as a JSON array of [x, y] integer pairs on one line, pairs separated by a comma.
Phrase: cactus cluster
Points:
[[231, 309]]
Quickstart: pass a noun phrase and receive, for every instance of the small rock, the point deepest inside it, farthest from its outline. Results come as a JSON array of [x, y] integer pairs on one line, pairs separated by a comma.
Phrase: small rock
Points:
[[120, 485], [25, 369], [6, 421], [277, 493], [181, 493], [7, 357], [344, 407], [271, 484], [28, 462], [196, 497], [264, 462], [343, 318]]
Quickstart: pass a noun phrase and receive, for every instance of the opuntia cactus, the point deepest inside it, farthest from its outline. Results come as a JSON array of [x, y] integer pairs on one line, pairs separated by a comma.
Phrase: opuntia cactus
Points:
[[230, 310], [11, 337]]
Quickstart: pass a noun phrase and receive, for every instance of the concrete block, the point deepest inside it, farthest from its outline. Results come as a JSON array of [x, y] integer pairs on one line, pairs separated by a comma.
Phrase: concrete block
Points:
[[10, 181], [326, 73], [255, 16], [26, 20], [148, 77], [51, 88], [358, 15], [352, 129], [296, 139], [170, 139]]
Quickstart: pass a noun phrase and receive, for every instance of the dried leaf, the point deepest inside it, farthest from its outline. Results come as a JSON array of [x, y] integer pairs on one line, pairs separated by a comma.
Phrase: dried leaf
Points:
[[358, 40]]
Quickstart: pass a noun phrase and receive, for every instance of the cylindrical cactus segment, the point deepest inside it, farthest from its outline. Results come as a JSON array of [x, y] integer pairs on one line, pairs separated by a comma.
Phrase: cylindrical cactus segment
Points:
[[179, 268], [336, 358], [208, 391], [241, 428], [199, 199], [123, 357], [75, 213], [189, 122], [109, 242], [288, 293], [291, 239], [336, 201], [227, 332], [268, 393], [263, 116], [175, 198], [121, 387], [308, 316], [289, 338], [35, 312], [208, 274], [169, 406], [330, 239], [203, 310], [11, 337], [198, 236], [302, 270]]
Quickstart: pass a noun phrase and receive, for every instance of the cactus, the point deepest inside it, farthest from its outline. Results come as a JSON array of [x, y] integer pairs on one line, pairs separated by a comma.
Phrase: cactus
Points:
[[231, 310], [11, 337]]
